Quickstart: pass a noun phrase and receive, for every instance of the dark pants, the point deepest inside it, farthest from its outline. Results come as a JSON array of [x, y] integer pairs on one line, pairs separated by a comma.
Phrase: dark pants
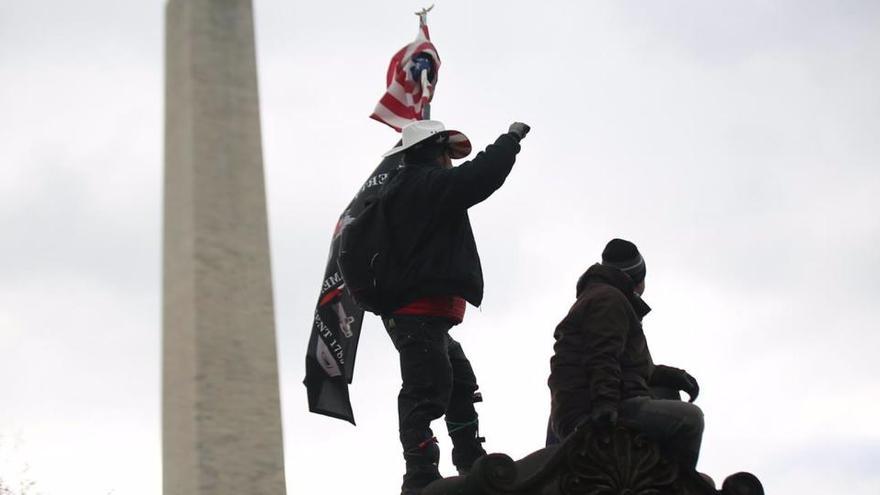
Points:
[[674, 424], [437, 380]]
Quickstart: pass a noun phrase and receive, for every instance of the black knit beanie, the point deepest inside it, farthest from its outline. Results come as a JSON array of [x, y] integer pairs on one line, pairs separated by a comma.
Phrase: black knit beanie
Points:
[[625, 256]]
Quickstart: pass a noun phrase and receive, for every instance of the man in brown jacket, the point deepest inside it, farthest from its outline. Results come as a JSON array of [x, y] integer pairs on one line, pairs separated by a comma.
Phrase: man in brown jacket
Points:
[[602, 370]]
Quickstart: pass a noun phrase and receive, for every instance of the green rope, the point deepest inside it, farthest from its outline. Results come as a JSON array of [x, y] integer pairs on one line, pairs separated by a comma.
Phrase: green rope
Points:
[[452, 426]]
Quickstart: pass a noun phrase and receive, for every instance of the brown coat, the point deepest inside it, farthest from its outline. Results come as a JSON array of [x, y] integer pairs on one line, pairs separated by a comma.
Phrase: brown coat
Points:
[[601, 355]]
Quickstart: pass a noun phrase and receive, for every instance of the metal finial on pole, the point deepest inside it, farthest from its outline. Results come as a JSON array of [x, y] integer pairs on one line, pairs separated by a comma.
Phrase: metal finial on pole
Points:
[[423, 14]]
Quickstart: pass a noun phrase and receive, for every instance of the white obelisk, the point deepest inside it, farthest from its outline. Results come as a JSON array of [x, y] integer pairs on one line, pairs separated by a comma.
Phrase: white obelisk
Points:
[[221, 409]]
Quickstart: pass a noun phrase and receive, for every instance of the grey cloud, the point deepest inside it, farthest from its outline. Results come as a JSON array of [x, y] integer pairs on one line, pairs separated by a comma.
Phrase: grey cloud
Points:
[[61, 227], [854, 457], [90, 32], [722, 33]]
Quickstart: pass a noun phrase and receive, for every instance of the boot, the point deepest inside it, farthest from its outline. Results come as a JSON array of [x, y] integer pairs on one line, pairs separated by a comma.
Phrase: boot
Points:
[[466, 444], [421, 467]]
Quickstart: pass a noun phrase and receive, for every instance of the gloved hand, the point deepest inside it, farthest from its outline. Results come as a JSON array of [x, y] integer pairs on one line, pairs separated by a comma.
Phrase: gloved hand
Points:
[[603, 416], [519, 130], [678, 379]]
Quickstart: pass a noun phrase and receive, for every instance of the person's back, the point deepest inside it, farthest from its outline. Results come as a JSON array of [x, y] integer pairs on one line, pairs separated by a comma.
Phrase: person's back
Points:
[[600, 352], [435, 245]]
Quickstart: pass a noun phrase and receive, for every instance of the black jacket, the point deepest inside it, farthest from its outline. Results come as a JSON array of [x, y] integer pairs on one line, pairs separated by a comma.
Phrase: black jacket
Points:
[[601, 355], [430, 234]]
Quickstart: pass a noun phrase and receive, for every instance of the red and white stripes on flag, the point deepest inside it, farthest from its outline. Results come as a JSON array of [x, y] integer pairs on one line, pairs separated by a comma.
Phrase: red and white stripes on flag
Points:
[[406, 98]]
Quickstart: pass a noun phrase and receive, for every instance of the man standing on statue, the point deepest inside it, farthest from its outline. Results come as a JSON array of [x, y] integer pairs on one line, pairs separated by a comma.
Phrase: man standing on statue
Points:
[[428, 227], [602, 371]]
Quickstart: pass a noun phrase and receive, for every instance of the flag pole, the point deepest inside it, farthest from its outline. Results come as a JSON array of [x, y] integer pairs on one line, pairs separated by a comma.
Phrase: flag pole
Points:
[[423, 20]]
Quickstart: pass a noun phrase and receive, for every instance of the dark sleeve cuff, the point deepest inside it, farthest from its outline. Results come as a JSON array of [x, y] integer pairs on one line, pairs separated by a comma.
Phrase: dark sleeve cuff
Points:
[[509, 139]]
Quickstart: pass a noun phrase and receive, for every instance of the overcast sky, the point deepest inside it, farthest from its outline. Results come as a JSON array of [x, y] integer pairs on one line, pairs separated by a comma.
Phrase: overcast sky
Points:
[[736, 143]]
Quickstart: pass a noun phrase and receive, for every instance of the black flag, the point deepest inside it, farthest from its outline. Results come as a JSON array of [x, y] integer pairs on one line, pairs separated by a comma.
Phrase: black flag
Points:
[[336, 328]]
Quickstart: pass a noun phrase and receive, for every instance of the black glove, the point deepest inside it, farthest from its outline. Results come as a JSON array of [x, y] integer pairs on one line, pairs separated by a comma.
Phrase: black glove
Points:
[[519, 130], [603, 416], [675, 378]]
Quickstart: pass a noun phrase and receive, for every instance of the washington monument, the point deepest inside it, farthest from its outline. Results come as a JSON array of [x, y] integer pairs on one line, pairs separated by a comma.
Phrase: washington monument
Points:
[[221, 412]]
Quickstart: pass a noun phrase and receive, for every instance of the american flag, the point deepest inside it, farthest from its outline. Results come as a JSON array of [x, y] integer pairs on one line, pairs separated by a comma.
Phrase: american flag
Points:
[[408, 94]]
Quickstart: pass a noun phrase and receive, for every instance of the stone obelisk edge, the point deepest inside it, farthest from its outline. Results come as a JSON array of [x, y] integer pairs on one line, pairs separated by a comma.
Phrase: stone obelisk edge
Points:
[[221, 409]]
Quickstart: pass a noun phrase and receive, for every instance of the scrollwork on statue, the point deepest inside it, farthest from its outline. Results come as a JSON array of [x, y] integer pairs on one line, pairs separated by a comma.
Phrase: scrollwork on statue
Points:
[[496, 472], [615, 462]]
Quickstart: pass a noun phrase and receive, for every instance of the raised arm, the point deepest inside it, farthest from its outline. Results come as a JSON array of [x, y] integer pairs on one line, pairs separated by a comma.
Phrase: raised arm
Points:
[[461, 187]]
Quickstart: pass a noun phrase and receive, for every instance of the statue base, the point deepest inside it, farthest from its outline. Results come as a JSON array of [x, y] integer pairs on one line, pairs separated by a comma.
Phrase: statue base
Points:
[[591, 462]]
